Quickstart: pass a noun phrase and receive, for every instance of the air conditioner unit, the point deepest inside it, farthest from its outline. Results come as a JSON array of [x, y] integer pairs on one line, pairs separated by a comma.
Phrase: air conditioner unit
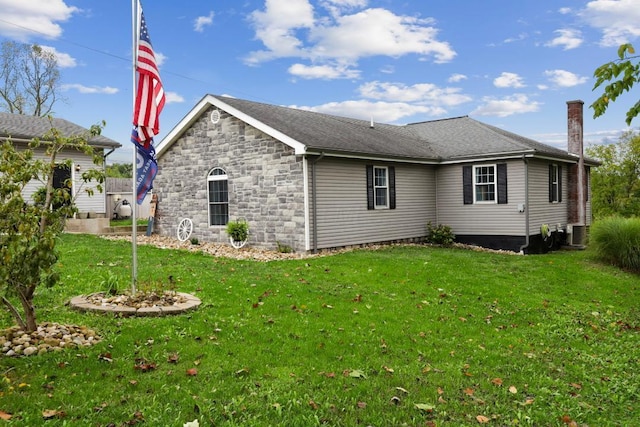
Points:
[[576, 234]]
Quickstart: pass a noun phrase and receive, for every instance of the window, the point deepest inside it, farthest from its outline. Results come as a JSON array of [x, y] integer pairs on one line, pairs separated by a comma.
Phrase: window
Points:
[[484, 184], [555, 184], [218, 194], [381, 187]]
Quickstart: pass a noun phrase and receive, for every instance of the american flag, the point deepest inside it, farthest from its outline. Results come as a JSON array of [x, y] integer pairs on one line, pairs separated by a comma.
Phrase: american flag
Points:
[[150, 96]]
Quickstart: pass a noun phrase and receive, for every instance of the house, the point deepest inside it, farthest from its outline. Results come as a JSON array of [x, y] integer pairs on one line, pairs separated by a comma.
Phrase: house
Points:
[[21, 129], [314, 181]]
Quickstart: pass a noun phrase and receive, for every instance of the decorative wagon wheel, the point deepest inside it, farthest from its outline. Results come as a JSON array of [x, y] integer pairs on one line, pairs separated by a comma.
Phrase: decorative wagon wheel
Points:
[[185, 227]]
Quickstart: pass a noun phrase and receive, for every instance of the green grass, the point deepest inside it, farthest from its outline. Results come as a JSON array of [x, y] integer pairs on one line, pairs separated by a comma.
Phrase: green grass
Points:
[[398, 336]]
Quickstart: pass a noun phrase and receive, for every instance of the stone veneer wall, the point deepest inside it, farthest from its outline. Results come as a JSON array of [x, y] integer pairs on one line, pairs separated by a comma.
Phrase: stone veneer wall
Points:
[[265, 178]]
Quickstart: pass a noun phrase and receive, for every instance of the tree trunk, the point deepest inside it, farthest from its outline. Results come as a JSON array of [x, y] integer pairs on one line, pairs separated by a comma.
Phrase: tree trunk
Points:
[[14, 312], [29, 310]]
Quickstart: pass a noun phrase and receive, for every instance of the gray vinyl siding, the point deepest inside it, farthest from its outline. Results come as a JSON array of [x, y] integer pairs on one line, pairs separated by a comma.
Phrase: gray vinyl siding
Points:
[[541, 211], [343, 217], [481, 219], [85, 203]]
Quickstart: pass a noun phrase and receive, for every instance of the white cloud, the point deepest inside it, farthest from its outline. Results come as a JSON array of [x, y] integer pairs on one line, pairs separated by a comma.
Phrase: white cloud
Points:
[[22, 19], [374, 32], [173, 97], [289, 28], [515, 104], [507, 80], [107, 90], [455, 78], [617, 19], [160, 58], [382, 112], [64, 60], [563, 78], [564, 10], [202, 21], [567, 38], [276, 28], [421, 93], [326, 72]]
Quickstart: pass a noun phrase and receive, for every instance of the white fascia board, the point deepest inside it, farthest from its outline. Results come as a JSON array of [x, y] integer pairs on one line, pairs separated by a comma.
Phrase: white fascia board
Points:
[[194, 114]]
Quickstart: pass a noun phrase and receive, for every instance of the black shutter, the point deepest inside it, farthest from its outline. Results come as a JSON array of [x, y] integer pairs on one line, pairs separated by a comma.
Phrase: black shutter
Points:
[[559, 183], [392, 187], [370, 195], [467, 185], [502, 183]]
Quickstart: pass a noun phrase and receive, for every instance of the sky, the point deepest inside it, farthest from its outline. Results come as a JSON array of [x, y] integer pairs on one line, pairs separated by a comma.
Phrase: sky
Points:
[[509, 63]]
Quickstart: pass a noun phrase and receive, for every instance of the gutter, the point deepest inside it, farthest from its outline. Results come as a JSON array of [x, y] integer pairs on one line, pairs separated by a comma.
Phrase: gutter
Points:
[[315, 202], [526, 204]]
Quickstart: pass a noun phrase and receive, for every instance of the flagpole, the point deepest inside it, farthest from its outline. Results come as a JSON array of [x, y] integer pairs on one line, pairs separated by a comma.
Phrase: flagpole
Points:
[[134, 192]]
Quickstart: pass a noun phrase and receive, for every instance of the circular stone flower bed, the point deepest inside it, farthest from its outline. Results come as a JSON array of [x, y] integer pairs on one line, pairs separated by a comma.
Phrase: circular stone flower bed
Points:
[[141, 304]]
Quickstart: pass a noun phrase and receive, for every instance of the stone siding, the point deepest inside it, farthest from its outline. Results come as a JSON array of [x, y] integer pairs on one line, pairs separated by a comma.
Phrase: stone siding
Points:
[[265, 178]]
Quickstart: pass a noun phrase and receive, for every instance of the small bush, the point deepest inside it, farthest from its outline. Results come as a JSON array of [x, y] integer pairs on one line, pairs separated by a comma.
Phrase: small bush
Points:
[[194, 241], [283, 248], [238, 230], [440, 234], [617, 241]]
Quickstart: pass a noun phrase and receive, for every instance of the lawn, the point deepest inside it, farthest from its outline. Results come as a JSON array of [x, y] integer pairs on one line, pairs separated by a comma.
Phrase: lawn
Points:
[[403, 335]]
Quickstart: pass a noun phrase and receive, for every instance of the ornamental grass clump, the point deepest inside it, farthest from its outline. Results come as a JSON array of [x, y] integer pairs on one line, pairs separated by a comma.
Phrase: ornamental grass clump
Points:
[[617, 241]]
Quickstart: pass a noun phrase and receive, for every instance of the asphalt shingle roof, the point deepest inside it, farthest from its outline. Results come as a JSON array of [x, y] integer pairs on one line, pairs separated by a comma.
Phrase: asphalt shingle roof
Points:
[[324, 132], [20, 126], [448, 139]]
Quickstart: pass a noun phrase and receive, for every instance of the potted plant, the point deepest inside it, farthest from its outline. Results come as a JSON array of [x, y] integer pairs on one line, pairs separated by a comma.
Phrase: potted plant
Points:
[[238, 231]]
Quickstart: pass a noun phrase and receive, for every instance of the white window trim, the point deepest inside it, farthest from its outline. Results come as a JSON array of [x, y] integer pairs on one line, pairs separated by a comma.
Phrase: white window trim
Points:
[[495, 184], [376, 187], [556, 182], [211, 177]]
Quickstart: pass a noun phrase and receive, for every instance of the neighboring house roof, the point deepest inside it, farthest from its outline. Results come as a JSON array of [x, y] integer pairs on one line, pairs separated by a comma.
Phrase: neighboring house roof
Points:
[[438, 141], [23, 127]]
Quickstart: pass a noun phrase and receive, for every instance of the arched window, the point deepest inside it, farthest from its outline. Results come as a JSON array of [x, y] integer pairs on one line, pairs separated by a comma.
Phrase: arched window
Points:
[[218, 194]]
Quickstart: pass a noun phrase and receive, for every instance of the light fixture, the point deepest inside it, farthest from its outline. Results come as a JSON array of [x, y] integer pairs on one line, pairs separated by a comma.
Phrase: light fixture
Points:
[[77, 168]]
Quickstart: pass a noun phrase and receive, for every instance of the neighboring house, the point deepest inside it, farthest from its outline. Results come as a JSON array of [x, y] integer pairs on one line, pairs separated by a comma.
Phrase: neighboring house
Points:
[[315, 181], [21, 129]]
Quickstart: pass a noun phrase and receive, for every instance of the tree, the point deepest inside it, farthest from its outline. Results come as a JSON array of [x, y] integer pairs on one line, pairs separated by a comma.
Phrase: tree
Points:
[[616, 183], [29, 228], [623, 74], [29, 79], [120, 170]]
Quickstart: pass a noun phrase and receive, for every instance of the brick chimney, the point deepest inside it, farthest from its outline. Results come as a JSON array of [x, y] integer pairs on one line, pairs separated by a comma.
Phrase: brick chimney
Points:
[[577, 203]]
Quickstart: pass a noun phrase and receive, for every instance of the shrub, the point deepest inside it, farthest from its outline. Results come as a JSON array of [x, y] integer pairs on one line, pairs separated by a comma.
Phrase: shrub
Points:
[[238, 230], [617, 240], [284, 248], [440, 234]]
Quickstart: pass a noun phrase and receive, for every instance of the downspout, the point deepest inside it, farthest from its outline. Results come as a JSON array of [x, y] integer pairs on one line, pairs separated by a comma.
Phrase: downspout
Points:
[[526, 204], [104, 156], [314, 202]]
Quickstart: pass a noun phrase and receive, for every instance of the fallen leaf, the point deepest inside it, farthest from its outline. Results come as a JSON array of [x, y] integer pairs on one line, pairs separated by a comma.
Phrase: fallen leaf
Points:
[[513, 390], [482, 419], [388, 369], [173, 358], [48, 414], [5, 416], [468, 391], [425, 407], [362, 405], [402, 390], [105, 357], [497, 381], [192, 372], [357, 373], [313, 405], [396, 400]]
